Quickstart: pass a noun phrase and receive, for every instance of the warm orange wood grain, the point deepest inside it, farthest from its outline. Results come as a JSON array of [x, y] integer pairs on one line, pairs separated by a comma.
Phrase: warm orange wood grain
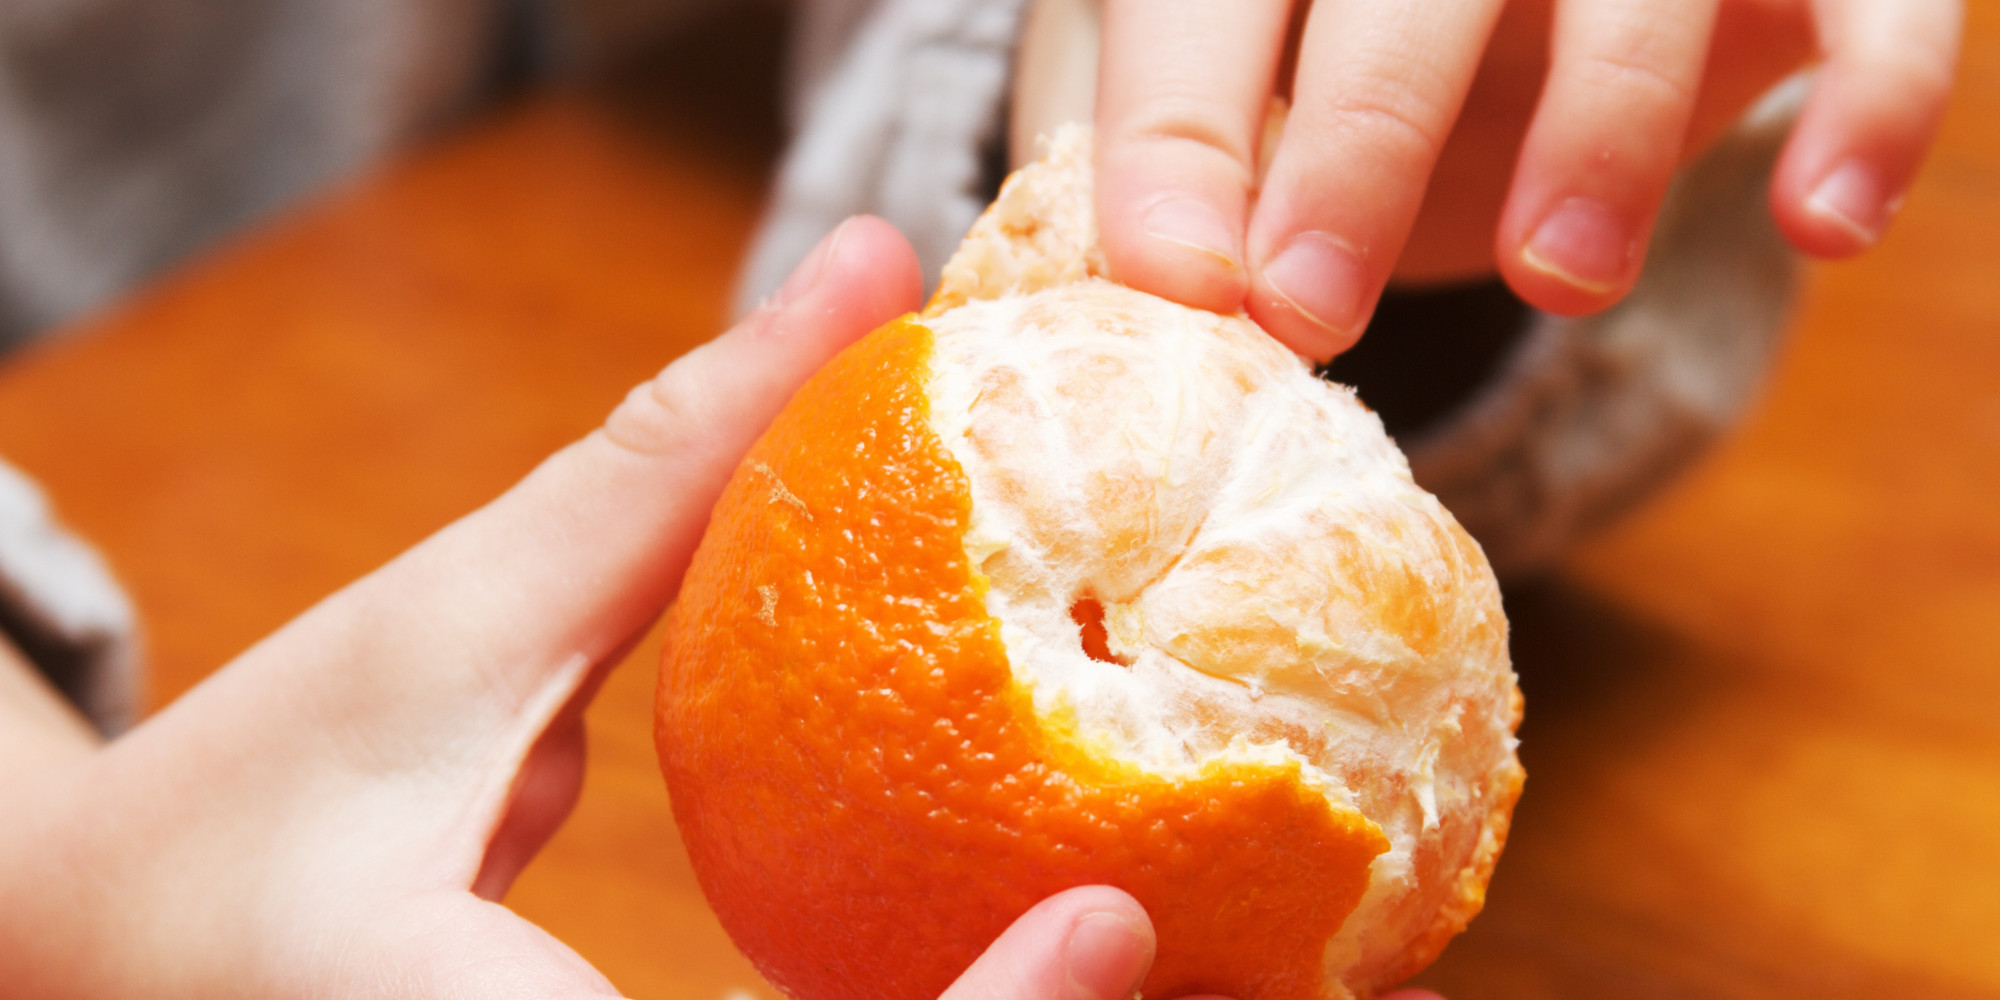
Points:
[[1762, 741]]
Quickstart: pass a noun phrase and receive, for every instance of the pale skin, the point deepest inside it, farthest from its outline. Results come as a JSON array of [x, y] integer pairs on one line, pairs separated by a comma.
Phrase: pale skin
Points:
[[1450, 139]]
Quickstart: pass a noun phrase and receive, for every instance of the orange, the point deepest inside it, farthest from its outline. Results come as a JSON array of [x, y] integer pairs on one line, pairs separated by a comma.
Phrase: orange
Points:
[[1060, 584]]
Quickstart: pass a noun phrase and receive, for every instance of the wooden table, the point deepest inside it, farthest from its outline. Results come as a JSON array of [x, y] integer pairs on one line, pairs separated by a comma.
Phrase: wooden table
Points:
[[1761, 732]]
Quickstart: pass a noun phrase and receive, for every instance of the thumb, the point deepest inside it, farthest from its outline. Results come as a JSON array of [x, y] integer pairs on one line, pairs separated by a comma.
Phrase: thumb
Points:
[[1092, 943], [447, 664]]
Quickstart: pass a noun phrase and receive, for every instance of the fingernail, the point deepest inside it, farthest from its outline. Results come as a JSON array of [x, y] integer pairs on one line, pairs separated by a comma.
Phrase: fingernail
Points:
[[1583, 243], [1107, 957], [810, 270], [1321, 280], [1851, 197], [1194, 224]]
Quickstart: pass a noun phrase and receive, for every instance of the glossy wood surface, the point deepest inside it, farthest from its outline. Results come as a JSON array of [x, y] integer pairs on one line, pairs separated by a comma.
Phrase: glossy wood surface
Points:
[[1762, 741]]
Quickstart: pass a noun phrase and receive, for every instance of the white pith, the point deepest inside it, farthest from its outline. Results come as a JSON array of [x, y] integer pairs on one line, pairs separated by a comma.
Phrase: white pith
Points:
[[1221, 475], [1190, 474]]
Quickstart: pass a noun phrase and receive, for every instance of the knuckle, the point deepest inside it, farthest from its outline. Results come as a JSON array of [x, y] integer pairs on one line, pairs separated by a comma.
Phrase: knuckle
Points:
[[1390, 117], [1191, 121], [1634, 80], [671, 415], [1407, 112]]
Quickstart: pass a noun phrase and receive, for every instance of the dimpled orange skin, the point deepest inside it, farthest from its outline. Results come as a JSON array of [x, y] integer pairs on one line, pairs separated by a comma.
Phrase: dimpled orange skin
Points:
[[866, 794]]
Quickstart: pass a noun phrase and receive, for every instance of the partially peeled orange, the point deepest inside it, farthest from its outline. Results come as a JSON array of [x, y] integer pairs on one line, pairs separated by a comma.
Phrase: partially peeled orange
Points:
[[1058, 584]]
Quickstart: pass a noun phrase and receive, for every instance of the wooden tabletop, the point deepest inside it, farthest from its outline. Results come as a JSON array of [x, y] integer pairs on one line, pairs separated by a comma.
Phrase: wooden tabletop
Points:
[[1761, 739]]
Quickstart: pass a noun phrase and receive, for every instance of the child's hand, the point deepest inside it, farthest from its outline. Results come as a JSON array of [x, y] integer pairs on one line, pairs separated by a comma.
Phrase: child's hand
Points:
[[336, 812], [1553, 174]]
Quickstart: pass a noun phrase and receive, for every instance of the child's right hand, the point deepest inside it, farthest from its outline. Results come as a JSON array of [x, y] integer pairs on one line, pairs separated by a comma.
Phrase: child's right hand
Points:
[[1561, 145]]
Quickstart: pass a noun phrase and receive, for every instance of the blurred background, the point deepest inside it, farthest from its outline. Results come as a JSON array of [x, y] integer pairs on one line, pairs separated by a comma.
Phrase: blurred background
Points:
[[320, 323]]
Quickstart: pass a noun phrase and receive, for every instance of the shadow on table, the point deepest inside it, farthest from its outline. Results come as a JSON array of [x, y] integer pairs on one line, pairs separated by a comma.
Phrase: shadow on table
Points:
[[1584, 905]]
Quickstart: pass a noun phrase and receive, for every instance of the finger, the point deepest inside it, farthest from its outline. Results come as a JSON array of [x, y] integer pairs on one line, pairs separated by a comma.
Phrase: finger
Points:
[[1091, 943], [450, 662], [1182, 91], [1603, 146], [1378, 87], [1873, 112], [1754, 47]]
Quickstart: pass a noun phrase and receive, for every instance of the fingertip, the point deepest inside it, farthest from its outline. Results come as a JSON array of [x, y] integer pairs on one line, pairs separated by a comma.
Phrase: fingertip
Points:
[[1841, 179], [715, 399], [1836, 188], [1105, 899], [1304, 336], [1844, 213], [1171, 214], [1088, 943], [1065, 909], [1544, 285], [1875, 108], [1581, 257], [879, 246], [1180, 109], [1183, 249], [869, 276], [1108, 942], [1107, 953], [1315, 296]]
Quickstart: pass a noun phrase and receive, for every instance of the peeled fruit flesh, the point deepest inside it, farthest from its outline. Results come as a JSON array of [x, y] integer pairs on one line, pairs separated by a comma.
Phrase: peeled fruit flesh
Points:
[[1059, 583]]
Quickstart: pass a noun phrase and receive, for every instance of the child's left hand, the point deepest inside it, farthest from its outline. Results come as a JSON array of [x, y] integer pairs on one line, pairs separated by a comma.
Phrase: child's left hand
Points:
[[337, 812]]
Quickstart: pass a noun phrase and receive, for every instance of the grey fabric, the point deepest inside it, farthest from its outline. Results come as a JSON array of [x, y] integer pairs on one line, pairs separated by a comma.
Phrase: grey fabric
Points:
[[132, 131], [894, 121]]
